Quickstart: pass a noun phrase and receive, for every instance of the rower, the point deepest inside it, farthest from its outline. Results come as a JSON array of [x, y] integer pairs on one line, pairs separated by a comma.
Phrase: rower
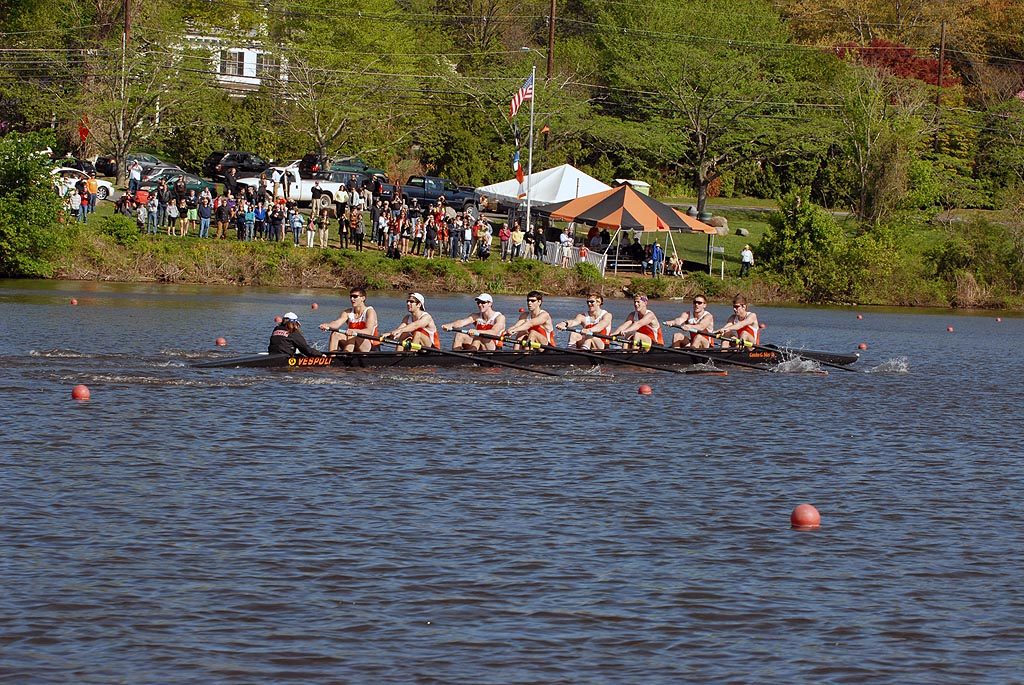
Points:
[[486, 319], [594, 320], [417, 326], [534, 324], [697, 325], [288, 339], [359, 317], [743, 323], [641, 326]]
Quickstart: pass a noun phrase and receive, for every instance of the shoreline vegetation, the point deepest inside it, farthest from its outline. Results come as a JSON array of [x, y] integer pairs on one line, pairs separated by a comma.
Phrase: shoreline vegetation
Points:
[[109, 248]]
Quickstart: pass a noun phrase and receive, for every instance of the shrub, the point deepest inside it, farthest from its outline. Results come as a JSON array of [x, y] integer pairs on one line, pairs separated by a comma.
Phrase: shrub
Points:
[[119, 227], [30, 211]]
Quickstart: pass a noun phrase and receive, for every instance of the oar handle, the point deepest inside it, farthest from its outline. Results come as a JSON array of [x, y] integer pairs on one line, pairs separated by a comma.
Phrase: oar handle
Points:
[[645, 345]]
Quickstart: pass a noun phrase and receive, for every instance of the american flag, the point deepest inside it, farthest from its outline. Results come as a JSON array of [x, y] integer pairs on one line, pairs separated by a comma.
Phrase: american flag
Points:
[[525, 93]]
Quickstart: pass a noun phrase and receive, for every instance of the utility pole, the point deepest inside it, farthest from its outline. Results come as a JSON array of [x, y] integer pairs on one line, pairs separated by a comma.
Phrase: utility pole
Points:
[[938, 91], [551, 40]]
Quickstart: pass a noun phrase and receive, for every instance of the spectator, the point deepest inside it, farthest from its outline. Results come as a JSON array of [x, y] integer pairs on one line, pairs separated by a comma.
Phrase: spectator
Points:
[[517, 238], [260, 215], [358, 229], [134, 177], [746, 261], [657, 259], [565, 243], [153, 215], [75, 199], [295, 221], [504, 236], [205, 212], [467, 238], [172, 217], [141, 216]]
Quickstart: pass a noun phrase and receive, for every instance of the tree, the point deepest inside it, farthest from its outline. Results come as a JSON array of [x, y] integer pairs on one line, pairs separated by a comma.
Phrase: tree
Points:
[[30, 210], [705, 104], [882, 133]]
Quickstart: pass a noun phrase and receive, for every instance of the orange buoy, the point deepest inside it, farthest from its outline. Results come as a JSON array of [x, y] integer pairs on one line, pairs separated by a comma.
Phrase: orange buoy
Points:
[[314, 306], [221, 342], [644, 389], [949, 329], [278, 319], [763, 326], [805, 517], [80, 392], [522, 310], [862, 346], [74, 302], [860, 317]]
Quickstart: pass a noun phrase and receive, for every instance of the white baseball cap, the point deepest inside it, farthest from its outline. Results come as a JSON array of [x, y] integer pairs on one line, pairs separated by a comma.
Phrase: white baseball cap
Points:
[[484, 297], [419, 297], [290, 316]]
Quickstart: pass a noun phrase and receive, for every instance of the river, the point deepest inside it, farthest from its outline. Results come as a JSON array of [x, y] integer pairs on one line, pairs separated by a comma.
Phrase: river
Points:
[[491, 526]]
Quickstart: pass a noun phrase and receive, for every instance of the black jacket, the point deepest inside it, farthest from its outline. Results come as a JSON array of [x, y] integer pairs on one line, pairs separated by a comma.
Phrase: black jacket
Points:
[[283, 342]]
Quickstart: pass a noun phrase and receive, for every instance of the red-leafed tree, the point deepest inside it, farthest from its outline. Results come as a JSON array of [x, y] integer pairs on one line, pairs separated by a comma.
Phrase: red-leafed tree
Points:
[[899, 60]]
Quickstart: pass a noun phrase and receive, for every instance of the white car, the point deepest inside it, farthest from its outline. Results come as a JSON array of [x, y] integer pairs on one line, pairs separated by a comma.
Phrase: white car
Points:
[[66, 178]]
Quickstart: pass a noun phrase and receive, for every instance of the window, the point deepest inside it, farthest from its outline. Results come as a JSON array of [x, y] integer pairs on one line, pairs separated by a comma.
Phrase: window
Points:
[[232, 62], [267, 65], [416, 182]]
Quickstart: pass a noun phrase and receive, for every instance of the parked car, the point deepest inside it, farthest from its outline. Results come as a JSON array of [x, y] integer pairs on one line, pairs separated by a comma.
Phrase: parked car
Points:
[[427, 190], [107, 165], [171, 175], [65, 178], [245, 164], [82, 165], [314, 163]]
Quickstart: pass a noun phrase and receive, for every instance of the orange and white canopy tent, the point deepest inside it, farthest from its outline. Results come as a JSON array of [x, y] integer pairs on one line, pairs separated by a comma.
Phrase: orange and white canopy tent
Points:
[[624, 209]]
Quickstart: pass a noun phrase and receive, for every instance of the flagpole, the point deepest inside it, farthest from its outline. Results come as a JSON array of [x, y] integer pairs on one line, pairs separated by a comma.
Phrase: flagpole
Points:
[[529, 158]]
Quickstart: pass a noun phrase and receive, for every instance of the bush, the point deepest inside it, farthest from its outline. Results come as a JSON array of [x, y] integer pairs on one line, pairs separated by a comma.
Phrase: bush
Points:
[[31, 215], [587, 274], [123, 230]]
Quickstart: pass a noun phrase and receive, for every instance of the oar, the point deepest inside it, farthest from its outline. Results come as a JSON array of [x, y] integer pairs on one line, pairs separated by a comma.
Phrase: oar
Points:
[[747, 343], [415, 347], [578, 353], [687, 352]]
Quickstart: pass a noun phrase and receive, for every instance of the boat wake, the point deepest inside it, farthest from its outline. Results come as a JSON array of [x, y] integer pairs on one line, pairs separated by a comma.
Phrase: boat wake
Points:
[[895, 365], [799, 365]]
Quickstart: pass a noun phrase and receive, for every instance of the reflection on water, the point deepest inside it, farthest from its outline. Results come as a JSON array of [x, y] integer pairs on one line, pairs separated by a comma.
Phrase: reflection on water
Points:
[[490, 526]]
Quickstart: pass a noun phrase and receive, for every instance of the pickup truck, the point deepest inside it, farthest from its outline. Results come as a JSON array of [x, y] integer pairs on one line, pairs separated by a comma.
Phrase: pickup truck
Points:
[[301, 189], [427, 189]]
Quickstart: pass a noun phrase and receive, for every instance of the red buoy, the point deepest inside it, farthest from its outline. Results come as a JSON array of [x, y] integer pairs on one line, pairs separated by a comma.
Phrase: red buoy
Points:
[[278, 319], [949, 329], [762, 326], [862, 346], [860, 317], [805, 517], [522, 310], [80, 392], [644, 389], [74, 302], [314, 306], [221, 342]]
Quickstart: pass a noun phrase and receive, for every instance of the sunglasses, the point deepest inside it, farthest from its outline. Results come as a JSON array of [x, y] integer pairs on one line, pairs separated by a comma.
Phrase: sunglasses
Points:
[[532, 299], [481, 301], [737, 306], [591, 301], [699, 302], [412, 301], [353, 297]]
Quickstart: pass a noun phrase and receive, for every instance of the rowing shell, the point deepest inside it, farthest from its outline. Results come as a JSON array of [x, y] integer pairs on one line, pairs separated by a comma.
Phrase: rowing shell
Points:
[[766, 357]]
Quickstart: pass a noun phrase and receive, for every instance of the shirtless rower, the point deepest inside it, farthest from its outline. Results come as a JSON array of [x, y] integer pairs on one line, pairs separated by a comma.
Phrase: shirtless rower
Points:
[[743, 324], [417, 326], [697, 325], [486, 320], [359, 317], [594, 320], [641, 326], [534, 324]]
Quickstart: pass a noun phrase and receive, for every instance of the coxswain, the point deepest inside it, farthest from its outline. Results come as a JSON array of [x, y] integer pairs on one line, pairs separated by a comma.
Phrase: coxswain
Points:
[[485, 320], [534, 324], [359, 318], [417, 326], [288, 339], [742, 324], [593, 321], [641, 327], [697, 325]]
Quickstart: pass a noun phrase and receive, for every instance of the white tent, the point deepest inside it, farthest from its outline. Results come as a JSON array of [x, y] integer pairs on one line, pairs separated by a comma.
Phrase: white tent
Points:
[[557, 184]]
